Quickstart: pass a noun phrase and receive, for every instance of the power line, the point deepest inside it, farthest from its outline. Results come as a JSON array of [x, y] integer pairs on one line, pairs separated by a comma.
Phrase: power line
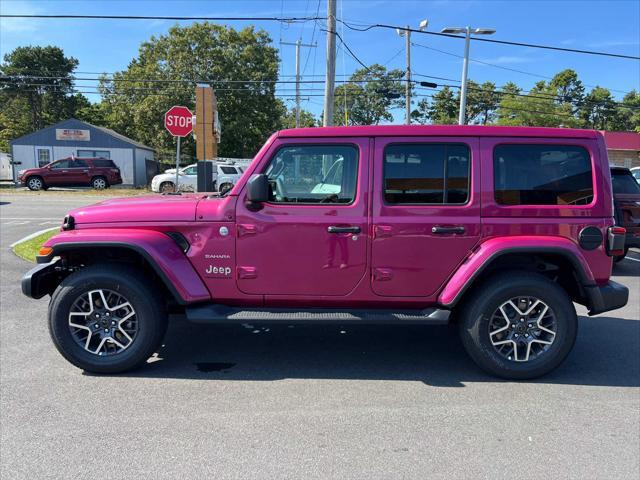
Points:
[[310, 19], [492, 40]]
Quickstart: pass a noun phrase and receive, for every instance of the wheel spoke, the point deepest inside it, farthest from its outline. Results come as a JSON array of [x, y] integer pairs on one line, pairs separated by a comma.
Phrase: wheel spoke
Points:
[[98, 327]]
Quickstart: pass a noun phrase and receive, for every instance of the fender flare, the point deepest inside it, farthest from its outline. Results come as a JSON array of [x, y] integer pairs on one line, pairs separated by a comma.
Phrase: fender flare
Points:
[[158, 249], [483, 257]]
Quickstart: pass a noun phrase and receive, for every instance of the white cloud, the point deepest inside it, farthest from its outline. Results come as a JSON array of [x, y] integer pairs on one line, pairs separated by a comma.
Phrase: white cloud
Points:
[[505, 59]]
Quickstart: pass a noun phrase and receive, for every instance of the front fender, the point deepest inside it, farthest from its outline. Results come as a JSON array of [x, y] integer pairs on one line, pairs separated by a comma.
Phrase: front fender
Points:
[[157, 248], [488, 251]]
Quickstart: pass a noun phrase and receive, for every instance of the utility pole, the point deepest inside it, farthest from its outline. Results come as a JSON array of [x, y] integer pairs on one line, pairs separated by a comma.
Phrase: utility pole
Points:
[[331, 63], [298, 44]]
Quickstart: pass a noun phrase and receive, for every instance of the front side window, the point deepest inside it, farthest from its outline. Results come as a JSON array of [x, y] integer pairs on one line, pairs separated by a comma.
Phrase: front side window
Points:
[[190, 171], [313, 174], [44, 157], [428, 173], [535, 174], [61, 164]]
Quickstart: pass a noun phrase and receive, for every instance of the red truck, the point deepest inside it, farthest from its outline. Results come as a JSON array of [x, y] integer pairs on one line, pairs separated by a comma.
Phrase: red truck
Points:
[[98, 173], [496, 229]]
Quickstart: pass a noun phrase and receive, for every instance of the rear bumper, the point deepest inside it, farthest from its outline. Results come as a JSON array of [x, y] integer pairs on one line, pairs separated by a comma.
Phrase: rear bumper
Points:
[[606, 297]]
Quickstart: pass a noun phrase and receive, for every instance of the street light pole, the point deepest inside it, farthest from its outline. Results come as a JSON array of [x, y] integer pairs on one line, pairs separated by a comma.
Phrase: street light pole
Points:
[[468, 31], [407, 36], [465, 70]]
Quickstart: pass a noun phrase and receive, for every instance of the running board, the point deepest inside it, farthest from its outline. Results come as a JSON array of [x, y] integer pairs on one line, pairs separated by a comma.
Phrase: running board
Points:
[[224, 314]]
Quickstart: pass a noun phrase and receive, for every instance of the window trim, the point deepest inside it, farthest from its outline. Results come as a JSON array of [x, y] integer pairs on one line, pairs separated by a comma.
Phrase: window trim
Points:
[[558, 142], [324, 144], [469, 172]]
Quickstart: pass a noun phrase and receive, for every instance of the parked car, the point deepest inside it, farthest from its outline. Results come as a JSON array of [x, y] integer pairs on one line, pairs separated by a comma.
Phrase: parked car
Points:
[[225, 177], [626, 204], [636, 173], [98, 173], [496, 229]]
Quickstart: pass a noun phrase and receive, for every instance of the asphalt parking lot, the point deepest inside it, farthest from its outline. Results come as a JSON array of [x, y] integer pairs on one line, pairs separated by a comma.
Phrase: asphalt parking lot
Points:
[[308, 402]]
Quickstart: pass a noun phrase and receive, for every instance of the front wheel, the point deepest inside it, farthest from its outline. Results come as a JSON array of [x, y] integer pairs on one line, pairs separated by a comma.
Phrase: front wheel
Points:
[[106, 319], [518, 325], [167, 187], [35, 183]]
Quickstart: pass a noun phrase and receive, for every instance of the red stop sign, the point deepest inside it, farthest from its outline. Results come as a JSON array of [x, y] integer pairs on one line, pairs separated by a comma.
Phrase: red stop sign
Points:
[[179, 121]]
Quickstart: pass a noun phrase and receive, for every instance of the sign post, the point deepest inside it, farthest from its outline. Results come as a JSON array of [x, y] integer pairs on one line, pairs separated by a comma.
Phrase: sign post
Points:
[[179, 122]]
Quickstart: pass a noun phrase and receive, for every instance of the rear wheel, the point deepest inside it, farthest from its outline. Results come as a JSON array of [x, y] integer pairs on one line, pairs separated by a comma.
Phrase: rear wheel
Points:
[[35, 183], [167, 187], [225, 187], [518, 325], [99, 183], [106, 319]]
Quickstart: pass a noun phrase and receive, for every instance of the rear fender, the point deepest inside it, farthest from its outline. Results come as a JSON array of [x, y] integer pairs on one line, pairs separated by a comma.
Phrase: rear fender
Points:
[[158, 249], [492, 249]]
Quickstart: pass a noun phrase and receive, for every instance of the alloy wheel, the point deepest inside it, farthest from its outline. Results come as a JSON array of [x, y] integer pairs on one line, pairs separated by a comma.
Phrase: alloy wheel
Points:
[[35, 183], [99, 183], [103, 322], [522, 329]]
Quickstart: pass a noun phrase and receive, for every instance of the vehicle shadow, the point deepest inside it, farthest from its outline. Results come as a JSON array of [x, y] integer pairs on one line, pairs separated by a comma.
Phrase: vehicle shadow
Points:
[[605, 354], [628, 267]]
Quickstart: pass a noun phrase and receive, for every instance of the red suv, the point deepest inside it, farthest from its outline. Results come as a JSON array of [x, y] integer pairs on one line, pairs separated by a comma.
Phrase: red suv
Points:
[[98, 173], [499, 230]]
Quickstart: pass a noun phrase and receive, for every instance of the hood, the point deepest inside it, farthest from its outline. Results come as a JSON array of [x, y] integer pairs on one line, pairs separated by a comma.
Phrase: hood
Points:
[[146, 208]]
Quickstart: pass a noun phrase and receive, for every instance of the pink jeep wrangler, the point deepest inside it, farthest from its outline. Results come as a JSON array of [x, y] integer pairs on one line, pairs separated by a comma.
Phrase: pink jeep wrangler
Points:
[[497, 229]]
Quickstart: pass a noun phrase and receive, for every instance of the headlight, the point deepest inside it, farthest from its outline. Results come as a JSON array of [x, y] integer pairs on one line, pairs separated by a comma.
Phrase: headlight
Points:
[[20, 172]]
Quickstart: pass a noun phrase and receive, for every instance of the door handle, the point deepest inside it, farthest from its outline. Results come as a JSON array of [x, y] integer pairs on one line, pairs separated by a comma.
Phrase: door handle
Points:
[[447, 230], [334, 229]]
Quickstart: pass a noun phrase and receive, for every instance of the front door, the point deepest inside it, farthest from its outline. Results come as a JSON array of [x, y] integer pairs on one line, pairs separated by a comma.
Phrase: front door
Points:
[[59, 173], [311, 237], [426, 212]]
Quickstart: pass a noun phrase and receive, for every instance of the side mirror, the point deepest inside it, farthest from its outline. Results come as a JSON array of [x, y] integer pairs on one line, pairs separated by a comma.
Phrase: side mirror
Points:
[[258, 189]]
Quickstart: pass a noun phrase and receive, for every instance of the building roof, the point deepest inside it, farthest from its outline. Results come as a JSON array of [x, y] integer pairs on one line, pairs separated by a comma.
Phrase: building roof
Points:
[[75, 121], [438, 130], [622, 140]]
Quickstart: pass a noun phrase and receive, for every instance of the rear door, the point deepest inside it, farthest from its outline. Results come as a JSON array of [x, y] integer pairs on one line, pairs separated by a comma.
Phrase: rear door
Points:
[[426, 212]]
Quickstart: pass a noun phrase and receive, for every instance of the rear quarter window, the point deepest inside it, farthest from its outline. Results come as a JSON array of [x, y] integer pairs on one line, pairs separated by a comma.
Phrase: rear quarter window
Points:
[[228, 170], [103, 163], [537, 174]]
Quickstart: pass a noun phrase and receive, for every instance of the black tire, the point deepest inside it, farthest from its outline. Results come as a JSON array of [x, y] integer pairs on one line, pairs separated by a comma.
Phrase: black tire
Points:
[[475, 315], [167, 187], [619, 258], [149, 307], [35, 183], [99, 183]]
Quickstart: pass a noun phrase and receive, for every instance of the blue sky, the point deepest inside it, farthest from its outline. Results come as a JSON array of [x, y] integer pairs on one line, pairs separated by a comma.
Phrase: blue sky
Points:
[[613, 26]]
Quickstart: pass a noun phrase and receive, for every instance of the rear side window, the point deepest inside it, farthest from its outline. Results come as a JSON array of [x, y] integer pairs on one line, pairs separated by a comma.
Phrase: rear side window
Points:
[[535, 174], [77, 163], [228, 170], [623, 182], [103, 163], [430, 173]]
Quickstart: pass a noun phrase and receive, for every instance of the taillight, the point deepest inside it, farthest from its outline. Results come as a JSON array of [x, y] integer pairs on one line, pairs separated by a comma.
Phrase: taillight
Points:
[[116, 170], [615, 241]]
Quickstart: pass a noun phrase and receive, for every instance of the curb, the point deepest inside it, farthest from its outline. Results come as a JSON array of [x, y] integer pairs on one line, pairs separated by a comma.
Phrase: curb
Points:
[[33, 235]]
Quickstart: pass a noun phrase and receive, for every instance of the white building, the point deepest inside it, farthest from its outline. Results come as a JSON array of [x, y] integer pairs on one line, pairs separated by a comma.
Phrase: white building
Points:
[[81, 139]]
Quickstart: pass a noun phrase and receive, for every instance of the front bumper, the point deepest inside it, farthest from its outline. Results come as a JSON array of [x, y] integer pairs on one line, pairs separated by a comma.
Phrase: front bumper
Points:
[[607, 297], [42, 279]]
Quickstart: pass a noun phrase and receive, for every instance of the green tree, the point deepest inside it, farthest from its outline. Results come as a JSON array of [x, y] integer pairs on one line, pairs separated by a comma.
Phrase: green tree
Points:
[[248, 109], [368, 96], [37, 90], [444, 108], [482, 102], [288, 119], [599, 110]]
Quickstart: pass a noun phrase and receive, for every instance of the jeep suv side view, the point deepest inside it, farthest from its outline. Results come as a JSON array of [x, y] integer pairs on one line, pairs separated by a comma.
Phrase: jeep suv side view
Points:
[[496, 229], [98, 173]]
